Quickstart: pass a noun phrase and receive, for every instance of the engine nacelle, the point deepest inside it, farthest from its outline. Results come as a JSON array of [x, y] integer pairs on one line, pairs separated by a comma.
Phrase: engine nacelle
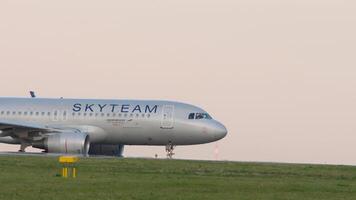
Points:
[[68, 143], [106, 150]]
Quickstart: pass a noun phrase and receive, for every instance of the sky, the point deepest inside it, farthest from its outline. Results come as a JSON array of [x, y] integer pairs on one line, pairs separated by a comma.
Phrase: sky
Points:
[[280, 74]]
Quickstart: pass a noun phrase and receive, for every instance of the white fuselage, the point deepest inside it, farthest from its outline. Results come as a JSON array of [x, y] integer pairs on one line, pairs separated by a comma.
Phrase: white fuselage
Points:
[[127, 122]]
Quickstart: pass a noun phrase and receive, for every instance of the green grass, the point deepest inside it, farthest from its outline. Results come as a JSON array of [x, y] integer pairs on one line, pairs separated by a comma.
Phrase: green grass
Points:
[[35, 178]]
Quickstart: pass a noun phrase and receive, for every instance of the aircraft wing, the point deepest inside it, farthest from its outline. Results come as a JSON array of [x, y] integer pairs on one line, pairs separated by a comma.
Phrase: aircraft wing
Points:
[[11, 127]]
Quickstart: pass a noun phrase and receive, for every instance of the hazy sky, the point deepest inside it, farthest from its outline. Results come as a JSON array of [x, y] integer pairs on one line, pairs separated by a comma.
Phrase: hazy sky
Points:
[[281, 75]]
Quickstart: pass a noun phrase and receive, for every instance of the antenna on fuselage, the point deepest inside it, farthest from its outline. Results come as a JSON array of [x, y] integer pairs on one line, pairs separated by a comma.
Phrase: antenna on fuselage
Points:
[[33, 95]]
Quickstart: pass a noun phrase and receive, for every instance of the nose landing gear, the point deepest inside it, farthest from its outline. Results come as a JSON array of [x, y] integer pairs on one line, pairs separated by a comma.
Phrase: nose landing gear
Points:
[[169, 150]]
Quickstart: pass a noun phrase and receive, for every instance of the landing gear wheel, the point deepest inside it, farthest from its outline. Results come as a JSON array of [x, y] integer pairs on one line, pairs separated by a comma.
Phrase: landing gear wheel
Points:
[[169, 150]]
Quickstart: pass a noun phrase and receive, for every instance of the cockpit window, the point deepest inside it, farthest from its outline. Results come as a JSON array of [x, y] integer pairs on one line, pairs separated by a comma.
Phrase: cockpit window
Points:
[[202, 116], [199, 116], [191, 115]]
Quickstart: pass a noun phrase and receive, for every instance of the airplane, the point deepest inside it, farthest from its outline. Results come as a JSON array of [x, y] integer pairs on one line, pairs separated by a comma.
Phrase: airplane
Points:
[[103, 127]]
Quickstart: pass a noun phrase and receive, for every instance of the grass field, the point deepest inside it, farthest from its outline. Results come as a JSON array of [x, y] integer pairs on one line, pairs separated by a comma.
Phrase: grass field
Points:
[[36, 178]]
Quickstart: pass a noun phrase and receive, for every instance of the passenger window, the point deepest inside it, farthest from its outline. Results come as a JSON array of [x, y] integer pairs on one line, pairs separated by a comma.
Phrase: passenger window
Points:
[[191, 115]]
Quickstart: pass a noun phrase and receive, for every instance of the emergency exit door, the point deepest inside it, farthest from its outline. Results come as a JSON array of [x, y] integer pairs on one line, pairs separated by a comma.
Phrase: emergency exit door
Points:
[[167, 117]]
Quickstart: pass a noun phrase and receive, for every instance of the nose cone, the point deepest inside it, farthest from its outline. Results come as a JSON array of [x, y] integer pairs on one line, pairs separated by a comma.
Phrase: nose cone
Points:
[[219, 131]]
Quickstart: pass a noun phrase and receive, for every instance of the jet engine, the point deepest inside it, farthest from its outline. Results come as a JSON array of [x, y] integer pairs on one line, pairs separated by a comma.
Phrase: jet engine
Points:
[[67, 143], [106, 150]]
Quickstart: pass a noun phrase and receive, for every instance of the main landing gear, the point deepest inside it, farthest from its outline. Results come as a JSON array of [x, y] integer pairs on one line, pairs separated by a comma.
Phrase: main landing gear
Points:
[[169, 150], [23, 147]]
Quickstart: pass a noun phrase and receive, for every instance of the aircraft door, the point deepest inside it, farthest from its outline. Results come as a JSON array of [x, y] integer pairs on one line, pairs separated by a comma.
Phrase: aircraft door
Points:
[[59, 115], [55, 115], [64, 116], [167, 117]]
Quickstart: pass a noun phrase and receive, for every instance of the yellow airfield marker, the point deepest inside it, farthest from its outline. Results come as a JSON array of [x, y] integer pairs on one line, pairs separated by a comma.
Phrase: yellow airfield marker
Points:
[[68, 163]]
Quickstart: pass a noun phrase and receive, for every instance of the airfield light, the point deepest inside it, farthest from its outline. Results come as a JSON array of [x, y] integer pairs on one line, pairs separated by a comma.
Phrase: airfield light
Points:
[[68, 164]]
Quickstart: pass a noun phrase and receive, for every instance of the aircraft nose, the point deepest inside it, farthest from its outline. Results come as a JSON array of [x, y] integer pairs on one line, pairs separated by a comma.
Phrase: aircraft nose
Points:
[[219, 131]]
